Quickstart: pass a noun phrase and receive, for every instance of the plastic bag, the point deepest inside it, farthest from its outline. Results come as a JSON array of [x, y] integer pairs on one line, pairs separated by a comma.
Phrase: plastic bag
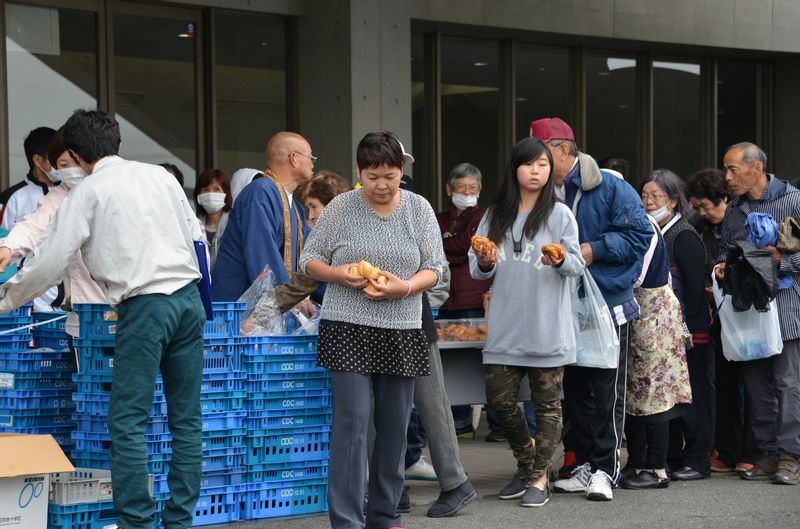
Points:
[[262, 317], [595, 333], [298, 324], [750, 334]]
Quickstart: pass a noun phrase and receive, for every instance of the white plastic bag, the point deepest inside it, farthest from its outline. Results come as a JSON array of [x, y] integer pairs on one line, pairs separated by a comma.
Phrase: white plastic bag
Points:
[[747, 335], [595, 333]]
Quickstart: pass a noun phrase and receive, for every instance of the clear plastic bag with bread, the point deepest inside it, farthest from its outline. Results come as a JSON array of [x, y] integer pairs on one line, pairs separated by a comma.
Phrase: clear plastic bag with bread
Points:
[[262, 316]]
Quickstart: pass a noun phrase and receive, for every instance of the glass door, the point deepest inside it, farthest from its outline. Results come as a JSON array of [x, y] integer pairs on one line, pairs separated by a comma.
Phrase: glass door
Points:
[[156, 84]]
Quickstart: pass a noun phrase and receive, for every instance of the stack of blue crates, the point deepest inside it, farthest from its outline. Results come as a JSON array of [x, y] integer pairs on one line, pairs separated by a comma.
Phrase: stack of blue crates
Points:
[[289, 416], [35, 384]]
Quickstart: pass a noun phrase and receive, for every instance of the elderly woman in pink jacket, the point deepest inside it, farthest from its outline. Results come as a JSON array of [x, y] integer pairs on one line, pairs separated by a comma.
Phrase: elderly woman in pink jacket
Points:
[[22, 239]]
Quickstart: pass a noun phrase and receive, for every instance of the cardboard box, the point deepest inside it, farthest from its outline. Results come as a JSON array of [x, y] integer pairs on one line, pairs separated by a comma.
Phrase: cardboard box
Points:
[[26, 462]]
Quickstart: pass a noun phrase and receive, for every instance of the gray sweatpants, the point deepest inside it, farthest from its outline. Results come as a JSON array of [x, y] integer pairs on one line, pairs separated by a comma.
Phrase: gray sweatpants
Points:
[[348, 457], [773, 389], [433, 406]]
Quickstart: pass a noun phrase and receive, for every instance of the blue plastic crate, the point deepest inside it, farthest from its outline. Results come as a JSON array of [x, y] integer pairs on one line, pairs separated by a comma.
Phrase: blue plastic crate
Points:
[[101, 442], [54, 324], [36, 360], [25, 310], [14, 322], [21, 380], [61, 433], [96, 515], [223, 421], [220, 459], [263, 382], [223, 401], [208, 479], [288, 419], [218, 505], [17, 342], [291, 498], [227, 318], [36, 418], [223, 354], [95, 356], [280, 345], [36, 399], [214, 382], [288, 400], [282, 472], [307, 444], [281, 364], [231, 438], [96, 321], [50, 339], [97, 404], [156, 464]]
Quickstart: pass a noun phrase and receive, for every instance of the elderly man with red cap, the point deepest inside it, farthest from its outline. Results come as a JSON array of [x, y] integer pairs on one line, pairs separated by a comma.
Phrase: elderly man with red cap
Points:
[[615, 234]]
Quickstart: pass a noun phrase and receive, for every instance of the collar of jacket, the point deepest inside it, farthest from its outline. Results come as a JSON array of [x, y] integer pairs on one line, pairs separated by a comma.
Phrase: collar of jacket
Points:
[[45, 188], [775, 189], [586, 174]]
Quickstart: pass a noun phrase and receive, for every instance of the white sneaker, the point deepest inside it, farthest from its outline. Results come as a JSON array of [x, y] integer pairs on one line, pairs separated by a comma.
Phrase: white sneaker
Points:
[[599, 488], [421, 470], [577, 482]]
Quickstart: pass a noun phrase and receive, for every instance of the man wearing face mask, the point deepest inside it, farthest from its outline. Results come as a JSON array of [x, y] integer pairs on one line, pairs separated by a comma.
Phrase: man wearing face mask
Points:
[[21, 199], [212, 196], [23, 238], [42, 177], [458, 225]]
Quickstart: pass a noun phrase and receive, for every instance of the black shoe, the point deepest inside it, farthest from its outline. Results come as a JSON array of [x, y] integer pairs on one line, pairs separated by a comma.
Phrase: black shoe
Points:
[[627, 473], [534, 497], [646, 479], [496, 437], [688, 474], [405, 502], [515, 489], [450, 502]]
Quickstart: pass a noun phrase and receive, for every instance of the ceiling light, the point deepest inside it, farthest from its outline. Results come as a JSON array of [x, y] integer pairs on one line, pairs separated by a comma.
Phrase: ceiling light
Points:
[[185, 35], [522, 99], [480, 63]]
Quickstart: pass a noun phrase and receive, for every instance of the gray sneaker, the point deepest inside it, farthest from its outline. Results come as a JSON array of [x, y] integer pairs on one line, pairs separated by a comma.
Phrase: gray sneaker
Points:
[[515, 489], [577, 482], [534, 497]]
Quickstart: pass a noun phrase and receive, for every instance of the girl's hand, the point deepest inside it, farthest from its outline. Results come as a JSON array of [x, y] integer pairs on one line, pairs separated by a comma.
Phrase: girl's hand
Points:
[[345, 278], [550, 261], [393, 288], [486, 261]]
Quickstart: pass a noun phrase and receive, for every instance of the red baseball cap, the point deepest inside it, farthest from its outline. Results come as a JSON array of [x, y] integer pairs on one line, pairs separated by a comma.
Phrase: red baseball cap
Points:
[[547, 129]]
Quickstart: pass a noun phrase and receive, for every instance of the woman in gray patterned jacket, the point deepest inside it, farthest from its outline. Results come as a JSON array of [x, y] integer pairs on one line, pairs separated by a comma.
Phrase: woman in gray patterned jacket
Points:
[[371, 334]]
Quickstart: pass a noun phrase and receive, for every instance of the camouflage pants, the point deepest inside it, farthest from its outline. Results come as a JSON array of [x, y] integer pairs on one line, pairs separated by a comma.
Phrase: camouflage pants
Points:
[[502, 390]]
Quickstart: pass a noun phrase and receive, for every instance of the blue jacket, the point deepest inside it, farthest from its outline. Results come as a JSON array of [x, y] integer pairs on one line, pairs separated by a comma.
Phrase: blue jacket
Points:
[[613, 221], [253, 239]]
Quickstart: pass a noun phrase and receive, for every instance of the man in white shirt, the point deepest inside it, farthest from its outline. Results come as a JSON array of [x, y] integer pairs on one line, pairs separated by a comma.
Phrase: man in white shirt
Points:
[[135, 230]]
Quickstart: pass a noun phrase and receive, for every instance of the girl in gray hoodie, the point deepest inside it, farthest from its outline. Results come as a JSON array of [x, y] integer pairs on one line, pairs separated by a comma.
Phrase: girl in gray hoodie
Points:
[[530, 325]]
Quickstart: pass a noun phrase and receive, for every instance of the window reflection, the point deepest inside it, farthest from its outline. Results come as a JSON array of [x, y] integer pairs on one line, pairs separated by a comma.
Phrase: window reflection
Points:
[[737, 101], [250, 77], [48, 51], [542, 86], [471, 109], [611, 119], [677, 134], [154, 73]]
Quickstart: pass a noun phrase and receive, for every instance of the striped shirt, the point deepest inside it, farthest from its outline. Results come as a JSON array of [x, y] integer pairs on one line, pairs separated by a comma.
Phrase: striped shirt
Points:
[[781, 200]]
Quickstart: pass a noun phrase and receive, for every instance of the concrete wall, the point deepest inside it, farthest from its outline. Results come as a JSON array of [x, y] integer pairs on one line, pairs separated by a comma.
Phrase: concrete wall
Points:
[[767, 25]]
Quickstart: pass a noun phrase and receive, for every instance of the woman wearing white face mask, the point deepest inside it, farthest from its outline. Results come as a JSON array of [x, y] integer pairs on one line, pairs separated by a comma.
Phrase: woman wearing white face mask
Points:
[[690, 436], [212, 195], [22, 239]]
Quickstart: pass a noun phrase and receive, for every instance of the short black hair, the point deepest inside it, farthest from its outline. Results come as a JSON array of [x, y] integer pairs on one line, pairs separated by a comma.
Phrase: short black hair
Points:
[[709, 183], [92, 134], [620, 165], [379, 148], [36, 142], [174, 171]]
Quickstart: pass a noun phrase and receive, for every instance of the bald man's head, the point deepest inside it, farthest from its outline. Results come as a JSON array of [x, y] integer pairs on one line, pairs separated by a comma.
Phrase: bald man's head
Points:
[[289, 157]]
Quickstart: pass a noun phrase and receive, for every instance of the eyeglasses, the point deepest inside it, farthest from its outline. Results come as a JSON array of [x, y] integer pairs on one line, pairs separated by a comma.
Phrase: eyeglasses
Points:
[[655, 197], [461, 188], [311, 156]]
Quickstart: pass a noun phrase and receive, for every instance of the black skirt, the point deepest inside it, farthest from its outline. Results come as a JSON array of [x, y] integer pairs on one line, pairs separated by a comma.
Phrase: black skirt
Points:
[[371, 350]]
